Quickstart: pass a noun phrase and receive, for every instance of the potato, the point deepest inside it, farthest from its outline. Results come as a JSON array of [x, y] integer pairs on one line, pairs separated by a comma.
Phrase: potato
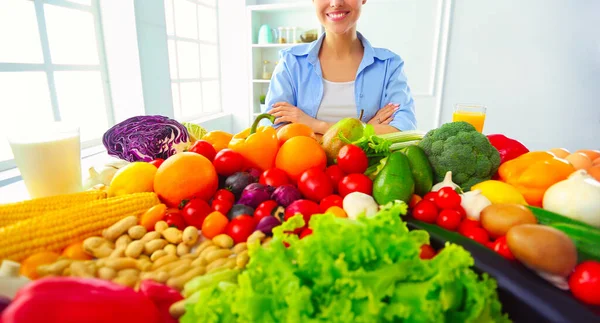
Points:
[[497, 219], [542, 248]]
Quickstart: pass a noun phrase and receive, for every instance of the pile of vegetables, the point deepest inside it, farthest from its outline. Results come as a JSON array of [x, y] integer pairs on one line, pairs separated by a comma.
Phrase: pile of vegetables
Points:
[[326, 277]]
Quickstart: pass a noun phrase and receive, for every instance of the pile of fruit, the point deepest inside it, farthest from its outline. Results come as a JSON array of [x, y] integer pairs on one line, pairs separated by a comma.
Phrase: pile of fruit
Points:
[[213, 216]]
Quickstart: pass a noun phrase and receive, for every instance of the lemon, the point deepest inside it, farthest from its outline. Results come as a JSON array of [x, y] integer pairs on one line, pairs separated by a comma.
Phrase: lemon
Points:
[[136, 177], [500, 192], [196, 132]]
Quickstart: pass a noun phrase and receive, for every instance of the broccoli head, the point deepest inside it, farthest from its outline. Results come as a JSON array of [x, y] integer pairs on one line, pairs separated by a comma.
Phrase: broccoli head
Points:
[[458, 147]]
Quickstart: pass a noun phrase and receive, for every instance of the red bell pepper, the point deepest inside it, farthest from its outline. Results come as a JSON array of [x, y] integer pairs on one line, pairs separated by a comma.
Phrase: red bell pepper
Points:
[[163, 297], [507, 147], [76, 300]]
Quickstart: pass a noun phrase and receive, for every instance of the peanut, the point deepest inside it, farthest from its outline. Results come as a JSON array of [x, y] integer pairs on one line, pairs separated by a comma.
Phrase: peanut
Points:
[[79, 269], [129, 281], [152, 235], [98, 247], [228, 264], [158, 254], [200, 261], [123, 241], [173, 235], [208, 250], [170, 249], [152, 246], [256, 235], [190, 235], [117, 229], [267, 241], [106, 273], [180, 270], [157, 276], [170, 266], [177, 309], [163, 260], [216, 264], [121, 263], [118, 252], [129, 272], [203, 246], [242, 259], [134, 249], [238, 248], [136, 232], [216, 254], [54, 269], [182, 249], [189, 256], [223, 241], [144, 264], [160, 226], [178, 282]]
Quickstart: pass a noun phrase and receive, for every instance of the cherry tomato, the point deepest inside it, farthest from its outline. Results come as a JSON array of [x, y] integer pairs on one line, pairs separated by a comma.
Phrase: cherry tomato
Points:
[[331, 200], [461, 211], [315, 185], [431, 196], [447, 198], [425, 211], [195, 211], [501, 248], [478, 234], [468, 224], [174, 218], [222, 206], [264, 209], [274, 177], [214, 224], [305, 207], [204, 148], [585, 282], [414, 199], [305, 232], [240, 228], [157, 162], [427, 252], [449, 219], [224, 194], [355, 183], [352, 159], [227, 162], [336, 174]]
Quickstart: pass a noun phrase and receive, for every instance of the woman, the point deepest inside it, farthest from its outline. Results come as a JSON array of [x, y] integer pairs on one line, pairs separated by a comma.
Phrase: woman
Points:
[[340, 75]]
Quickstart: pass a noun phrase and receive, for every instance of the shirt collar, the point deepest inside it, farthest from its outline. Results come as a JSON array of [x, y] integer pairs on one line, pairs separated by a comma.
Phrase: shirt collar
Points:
[[312, 51]]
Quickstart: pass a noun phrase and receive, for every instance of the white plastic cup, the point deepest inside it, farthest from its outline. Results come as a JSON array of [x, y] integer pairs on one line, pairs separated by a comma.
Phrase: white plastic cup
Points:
[[48, 157]]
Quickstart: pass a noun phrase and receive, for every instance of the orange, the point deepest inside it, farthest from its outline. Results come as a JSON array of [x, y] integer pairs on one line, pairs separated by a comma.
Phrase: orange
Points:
[[75, 251], [30, 264], [559, 152], [595, 172], [293, 130], [184, 176], [337, 211], [579, 160], [298, 154], [591, 154], [153, 215], [218, 139]]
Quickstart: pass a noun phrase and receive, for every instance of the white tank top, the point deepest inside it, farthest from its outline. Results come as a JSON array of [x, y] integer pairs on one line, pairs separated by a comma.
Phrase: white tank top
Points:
[[338, 101]]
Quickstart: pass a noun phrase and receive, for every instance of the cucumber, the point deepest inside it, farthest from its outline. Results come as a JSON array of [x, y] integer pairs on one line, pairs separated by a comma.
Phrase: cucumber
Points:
[[546, 217], [420, 168], [587, 240]]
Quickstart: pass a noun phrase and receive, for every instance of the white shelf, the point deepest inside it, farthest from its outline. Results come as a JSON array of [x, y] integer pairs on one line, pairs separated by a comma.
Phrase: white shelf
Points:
[[281, 6], [261, 81]]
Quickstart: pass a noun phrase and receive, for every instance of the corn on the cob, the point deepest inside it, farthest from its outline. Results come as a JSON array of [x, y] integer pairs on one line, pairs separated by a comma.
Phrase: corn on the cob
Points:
[[55, 230], [15, 212]]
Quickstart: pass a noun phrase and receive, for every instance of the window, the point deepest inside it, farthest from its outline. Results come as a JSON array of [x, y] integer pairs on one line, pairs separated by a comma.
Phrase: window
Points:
[[192, 33], [52, 68]]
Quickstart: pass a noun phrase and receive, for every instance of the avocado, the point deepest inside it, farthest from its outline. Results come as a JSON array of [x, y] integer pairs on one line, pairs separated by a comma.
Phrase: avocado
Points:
[[351, 128], [421, 169], [395, 181]]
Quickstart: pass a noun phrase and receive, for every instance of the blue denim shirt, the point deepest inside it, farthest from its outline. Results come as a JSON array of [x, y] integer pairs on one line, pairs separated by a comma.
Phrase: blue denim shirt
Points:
[[380, 79]]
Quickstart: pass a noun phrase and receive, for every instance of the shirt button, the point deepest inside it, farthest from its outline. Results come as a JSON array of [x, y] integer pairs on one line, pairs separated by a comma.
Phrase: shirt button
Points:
[[361, 95]]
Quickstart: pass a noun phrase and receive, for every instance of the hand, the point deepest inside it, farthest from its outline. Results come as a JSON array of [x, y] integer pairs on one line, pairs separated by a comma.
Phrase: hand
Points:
[[384, 115], [285, 112]]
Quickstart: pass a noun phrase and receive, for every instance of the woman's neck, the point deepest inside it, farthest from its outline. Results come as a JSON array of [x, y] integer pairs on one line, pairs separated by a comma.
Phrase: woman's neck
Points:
[[341, 45]]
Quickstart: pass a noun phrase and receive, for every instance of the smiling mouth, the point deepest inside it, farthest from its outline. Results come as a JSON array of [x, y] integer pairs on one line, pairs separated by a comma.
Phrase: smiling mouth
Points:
[[336, 16]]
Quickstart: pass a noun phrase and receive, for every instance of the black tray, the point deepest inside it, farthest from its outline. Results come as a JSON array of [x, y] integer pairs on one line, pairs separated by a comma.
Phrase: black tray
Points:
[[525, 296]]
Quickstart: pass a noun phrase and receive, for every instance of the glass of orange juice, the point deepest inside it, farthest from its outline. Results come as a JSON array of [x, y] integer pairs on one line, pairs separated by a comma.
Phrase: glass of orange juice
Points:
[[471, 113]]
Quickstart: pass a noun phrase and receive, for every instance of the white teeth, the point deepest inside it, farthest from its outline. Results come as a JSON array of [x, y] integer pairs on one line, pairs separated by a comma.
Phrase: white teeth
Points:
[[336, 15]]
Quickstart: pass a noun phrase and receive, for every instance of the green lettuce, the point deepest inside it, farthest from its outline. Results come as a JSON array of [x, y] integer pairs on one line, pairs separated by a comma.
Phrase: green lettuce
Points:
[[366, 270]]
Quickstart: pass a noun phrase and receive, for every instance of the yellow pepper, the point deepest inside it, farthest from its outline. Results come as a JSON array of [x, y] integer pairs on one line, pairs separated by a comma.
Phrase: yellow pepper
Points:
[[533, 173], [219, 139], [258, 145]]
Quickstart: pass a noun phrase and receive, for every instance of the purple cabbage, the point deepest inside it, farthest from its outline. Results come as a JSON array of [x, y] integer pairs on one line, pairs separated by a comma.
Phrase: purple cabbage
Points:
[[267, 224], [145, 138], [254, 194], [285, 194]]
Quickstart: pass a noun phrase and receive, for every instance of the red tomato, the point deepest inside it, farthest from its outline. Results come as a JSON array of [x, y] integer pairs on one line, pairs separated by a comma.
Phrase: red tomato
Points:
[[430, 196], [449, 219], [305, 232], [174, 219], [195, 211], [305, 207], [425, 211], [427, 252], [501, 248], [227, 162], [274, 177], [224, 194], [264, 209], [466, 225], [204, 148], [336, 174], [478, 234], [463, 213], [222, 206], [585, 282], [214, 224], [331, 200], [355, 183], [352, 159], [157, 162], [447, 198], [315, 185], [240, 228]]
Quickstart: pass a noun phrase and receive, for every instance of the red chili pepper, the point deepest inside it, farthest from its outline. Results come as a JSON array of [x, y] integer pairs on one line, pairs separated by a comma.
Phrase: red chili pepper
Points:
[[507, 147]]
